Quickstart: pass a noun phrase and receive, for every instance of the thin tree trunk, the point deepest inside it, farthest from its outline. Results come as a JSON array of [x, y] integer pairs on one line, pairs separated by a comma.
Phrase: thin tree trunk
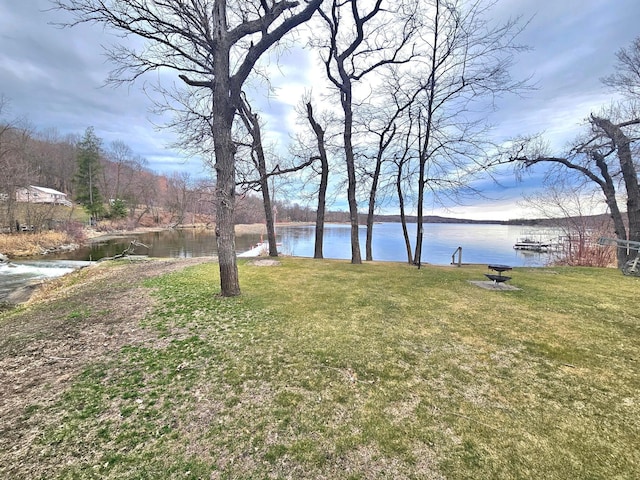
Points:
[[417, 257], [268, 214], [252, 123], [424, 154], [372, 206], [403, 217], [324, 182]]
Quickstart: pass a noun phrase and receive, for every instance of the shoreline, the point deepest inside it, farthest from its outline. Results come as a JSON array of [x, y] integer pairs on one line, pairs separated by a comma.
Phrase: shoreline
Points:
[[24, 245]]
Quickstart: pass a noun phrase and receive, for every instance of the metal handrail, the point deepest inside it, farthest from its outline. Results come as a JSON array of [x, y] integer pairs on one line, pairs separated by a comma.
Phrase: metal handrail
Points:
[[630, 244], [453, 257]]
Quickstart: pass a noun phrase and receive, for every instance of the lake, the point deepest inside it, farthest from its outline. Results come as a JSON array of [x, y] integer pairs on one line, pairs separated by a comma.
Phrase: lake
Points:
[[480, 244]]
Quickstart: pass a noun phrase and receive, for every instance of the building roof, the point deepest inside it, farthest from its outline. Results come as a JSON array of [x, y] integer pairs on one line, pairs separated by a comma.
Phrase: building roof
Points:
[[47, 190]]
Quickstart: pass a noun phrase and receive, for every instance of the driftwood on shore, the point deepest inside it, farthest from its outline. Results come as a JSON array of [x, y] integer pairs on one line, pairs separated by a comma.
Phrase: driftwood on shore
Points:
[[126, 252]]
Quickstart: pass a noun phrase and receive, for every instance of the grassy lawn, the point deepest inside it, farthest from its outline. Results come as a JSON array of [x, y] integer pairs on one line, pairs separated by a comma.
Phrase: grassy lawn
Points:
[[326, 370]]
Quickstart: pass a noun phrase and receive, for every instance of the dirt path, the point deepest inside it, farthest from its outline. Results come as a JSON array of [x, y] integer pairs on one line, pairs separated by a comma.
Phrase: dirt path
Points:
[[82, 317]]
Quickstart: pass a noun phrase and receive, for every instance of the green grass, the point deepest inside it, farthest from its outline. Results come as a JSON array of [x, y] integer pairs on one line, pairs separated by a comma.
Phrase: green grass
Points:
[[322, 369]]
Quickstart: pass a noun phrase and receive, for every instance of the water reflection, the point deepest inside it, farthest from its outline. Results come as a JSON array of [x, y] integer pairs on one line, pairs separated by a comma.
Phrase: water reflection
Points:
[[480, 243], [166, 243]]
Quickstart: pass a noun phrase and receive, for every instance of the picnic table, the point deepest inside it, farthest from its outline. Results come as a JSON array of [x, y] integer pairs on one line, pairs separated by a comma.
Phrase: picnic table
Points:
[[499, 278]]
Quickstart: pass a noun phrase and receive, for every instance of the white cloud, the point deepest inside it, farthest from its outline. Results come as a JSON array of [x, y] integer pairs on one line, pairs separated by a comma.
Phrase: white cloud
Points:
[[55, 76]]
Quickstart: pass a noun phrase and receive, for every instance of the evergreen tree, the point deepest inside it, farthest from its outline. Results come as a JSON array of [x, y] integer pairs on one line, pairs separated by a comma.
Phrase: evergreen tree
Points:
[[86, 178], [118, 208]]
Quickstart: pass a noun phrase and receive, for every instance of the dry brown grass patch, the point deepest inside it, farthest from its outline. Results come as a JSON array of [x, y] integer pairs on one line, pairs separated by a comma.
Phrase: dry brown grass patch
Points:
[[30, 244]]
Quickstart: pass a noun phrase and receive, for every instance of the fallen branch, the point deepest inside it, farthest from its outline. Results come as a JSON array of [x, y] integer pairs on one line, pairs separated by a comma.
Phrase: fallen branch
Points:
[[127, 251]]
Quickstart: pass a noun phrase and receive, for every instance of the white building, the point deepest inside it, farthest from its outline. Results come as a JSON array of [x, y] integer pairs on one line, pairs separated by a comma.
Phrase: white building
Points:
[[33, 194]]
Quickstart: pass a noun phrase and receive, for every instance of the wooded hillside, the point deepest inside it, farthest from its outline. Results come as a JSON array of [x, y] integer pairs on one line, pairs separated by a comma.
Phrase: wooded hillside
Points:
[[127, 188]]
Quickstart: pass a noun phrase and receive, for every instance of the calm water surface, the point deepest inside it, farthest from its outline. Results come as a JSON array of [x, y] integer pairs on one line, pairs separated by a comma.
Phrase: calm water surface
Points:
[[480, 244]]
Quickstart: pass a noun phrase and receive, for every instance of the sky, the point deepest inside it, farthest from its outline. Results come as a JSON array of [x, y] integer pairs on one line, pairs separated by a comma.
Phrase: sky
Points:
[[55, 78]]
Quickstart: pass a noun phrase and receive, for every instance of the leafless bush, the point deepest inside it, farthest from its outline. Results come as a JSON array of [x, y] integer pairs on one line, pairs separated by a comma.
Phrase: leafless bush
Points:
[[583, 251]]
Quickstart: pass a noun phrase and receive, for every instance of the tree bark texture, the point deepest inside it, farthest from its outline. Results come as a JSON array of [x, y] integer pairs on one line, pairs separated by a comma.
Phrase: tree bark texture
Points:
[[324, 182], [629, 173], [347, 99], [223, 110]]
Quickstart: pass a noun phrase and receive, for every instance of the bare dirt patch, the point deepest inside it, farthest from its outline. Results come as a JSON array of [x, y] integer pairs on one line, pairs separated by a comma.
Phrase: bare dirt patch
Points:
[[489, 285], [67, 324], [267, 262]]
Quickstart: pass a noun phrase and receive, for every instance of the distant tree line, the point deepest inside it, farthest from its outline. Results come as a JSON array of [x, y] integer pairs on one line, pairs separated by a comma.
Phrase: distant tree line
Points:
[[111, 182]]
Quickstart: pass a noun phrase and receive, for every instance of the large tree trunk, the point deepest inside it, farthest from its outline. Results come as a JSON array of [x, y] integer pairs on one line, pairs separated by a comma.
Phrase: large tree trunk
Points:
[[629, 174], [225, 202], [356, 258], [609, 191], [224, 147]]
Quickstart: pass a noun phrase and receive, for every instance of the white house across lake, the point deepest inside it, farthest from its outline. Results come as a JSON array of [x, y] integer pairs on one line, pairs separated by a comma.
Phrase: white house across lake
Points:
[[33, 194]]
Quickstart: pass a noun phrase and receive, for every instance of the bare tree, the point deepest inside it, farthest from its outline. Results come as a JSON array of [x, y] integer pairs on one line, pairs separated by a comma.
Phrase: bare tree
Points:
[[149, 189], [381, 123], [606, 154], [626, 78], [466, 58], [180, 196], [319, 133], [571, 209], [214, 46], [14, 165], [358, 43], [604, 157], [252, 124], [258, 165], [402, 162], [120, 156], [52, 159]]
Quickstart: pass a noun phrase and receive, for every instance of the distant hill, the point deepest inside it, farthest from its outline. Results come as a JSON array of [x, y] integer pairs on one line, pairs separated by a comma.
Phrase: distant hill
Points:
[[433, 219], [595, 220]]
